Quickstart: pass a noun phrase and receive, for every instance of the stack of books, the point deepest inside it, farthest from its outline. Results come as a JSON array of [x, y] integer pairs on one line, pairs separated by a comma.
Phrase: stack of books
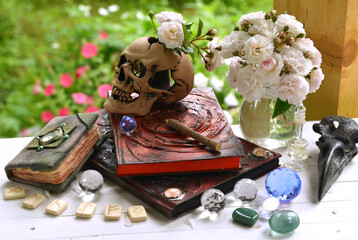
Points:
[[156, 157]]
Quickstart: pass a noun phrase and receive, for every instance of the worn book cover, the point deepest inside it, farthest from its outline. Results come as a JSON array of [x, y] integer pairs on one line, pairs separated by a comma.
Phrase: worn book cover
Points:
[[150, 189], [52, 159], [155, 148]]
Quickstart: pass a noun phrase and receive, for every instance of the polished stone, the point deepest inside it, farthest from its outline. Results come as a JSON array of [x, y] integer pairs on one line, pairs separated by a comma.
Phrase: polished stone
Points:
[[245, 189], [283, 184], [268, 207], [284, 221], [213, 200], [245, 216]]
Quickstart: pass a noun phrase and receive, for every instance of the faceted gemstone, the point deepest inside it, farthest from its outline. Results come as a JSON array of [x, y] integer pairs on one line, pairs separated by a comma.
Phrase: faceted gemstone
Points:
[[284, 184], [268, 207], [245, 216], [213, 200], [284, 221], [128, 125], [246, 189], [91, 181]]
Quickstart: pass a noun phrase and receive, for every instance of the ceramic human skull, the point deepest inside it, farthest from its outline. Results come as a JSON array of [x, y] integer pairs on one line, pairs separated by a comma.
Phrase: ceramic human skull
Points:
[[146, 73]]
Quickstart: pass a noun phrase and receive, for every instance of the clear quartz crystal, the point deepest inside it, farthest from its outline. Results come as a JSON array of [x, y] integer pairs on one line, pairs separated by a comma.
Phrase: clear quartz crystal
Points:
[[297, 145], [91, 181], [246, 189], [213, 200]]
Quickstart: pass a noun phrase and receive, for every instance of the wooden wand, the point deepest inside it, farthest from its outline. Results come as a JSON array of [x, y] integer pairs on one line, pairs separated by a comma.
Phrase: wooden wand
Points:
[[190, 132]]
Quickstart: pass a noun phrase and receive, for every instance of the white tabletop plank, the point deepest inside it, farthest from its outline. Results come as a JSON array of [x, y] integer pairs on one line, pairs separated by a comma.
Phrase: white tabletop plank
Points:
[[332, 218]]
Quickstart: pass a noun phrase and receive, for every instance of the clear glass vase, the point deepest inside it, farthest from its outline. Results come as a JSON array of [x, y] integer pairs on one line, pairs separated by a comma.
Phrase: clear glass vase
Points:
[[258, 126]]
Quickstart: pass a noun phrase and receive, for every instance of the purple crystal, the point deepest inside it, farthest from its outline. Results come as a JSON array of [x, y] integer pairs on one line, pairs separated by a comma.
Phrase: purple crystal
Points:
[[284, 184], [128, 125]]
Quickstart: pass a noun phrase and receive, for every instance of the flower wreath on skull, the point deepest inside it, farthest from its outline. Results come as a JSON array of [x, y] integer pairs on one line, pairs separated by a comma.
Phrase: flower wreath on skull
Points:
[[147, 73]]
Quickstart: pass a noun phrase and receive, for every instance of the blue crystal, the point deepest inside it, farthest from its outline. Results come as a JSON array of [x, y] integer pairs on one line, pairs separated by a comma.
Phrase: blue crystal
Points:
[[128, 125], [283, 184]]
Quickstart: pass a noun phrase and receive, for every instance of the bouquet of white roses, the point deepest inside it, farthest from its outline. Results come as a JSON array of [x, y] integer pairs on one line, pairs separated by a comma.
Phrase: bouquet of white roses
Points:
[[271, 58]]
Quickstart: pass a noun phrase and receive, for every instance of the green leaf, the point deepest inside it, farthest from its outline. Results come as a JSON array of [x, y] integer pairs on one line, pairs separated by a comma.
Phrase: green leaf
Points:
[[188, 25], [200, 28], [301, 35], [186, 36], [285, 29], [192, 54], [280, 107]]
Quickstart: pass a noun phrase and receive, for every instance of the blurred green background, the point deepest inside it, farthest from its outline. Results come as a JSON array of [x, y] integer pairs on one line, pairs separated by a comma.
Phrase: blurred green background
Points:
[[41, 40]]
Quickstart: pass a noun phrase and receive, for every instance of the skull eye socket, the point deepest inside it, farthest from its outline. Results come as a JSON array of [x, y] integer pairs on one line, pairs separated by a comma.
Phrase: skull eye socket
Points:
[[122, 60], [162, 80], [139, 70]]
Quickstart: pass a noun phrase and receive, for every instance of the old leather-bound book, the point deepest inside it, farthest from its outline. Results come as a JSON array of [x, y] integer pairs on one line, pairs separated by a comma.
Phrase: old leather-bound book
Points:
[[151, 189], [52, 159]]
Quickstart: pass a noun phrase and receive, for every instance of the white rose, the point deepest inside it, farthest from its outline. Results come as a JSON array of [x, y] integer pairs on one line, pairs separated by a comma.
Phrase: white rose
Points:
[[269, 70], [248, 84], [169, 17], [317, 77], [294, 26], [252, 18], [231, 75], [299, 64], [214, 59], [233, 43], [292, 88], [200, 80], [258, 48], [303, 44], [316, 58], [171, 34], [216, 84], [231, 100], [265, 28]]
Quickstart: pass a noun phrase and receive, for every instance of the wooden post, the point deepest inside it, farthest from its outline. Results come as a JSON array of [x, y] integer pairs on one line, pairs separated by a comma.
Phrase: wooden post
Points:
[[333, 27]]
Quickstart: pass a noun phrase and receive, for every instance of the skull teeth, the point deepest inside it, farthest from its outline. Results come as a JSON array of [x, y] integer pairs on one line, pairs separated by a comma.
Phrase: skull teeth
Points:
[[123, 96]]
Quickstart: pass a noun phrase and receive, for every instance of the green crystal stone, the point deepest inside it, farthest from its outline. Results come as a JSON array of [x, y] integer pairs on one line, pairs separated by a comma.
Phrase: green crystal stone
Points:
[[284, 221], [245, 216]]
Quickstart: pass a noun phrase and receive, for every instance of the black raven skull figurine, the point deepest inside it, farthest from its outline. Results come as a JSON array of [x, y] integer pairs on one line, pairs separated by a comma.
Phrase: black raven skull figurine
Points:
[[337, 148]]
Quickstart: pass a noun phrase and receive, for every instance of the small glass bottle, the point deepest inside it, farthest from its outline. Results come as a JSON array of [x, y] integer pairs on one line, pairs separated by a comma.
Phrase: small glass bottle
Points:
[[297, 145]]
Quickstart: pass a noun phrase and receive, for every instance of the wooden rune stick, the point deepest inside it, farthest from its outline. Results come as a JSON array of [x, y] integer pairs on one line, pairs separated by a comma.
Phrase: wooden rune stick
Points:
[[190, 132]]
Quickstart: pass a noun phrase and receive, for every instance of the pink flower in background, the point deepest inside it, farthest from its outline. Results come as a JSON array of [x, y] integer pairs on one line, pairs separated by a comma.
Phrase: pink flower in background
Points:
[[46, 116], [79, 98], [89, 50], [24, 132], [81, 71], [64, 112], [90, 100], [66, 80], [37, 87], [103, 35], [91, 109], [103, 89], [49, 90]]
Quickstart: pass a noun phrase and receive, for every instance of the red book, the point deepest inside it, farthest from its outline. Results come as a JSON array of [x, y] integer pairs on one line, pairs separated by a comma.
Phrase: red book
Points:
[[155, 148]]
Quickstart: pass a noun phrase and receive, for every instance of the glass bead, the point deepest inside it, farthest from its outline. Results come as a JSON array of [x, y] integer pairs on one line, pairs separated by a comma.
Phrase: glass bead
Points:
[[268, 207], [213, 200], [284, 221], [128, 125], [91, 181], [283, 184], [246, 189]]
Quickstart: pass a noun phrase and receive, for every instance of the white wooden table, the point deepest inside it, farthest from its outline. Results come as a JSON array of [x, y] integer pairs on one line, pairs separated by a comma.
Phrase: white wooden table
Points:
[[335, 217]]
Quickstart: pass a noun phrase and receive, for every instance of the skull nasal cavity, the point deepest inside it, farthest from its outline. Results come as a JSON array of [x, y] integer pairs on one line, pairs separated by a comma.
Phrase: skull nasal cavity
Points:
[[121, 76], [162, 80]]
